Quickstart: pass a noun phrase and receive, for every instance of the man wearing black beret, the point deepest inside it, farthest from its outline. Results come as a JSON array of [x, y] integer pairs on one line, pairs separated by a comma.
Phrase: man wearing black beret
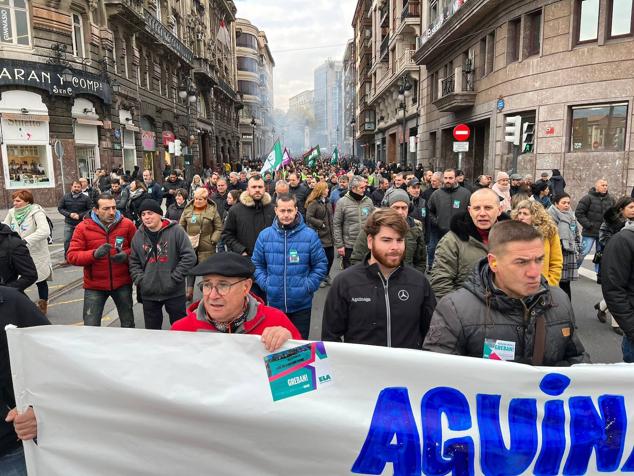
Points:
[[227, 305]]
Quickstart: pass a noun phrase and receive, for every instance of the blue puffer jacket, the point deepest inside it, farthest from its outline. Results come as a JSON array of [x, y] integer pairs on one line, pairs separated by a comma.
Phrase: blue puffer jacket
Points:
[[290, 264]]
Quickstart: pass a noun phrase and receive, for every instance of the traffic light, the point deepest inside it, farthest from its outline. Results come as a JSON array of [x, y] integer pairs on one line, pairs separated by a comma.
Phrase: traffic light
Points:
[[512, 128], [528, 136], [178, 147]]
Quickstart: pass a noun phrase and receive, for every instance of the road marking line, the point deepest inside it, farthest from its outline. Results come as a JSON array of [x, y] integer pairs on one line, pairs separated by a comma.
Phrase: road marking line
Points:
[[586, 273]]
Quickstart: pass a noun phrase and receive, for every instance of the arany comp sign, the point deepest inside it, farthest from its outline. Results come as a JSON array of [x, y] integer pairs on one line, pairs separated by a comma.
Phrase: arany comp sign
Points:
[[49, 78], [195, 401]]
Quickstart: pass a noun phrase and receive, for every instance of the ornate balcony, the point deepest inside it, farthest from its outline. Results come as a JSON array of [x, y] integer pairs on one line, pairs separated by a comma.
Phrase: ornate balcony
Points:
[[130, 11], [456, 92]]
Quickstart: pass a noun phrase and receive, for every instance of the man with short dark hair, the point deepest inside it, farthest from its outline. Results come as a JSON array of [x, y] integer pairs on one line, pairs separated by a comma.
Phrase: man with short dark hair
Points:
[[340, 190], [447, 201], [297, 188], [171, 186], [153, 188], [87, 189], [74, 205], [161, 257], [290, 263], [380, 301], [220, 197], [506, 310], [101, 244], [379, 193], [246, 219]]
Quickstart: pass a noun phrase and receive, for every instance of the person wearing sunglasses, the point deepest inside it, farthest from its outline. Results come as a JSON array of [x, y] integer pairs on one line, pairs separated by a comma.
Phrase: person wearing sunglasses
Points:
[[227, 305]]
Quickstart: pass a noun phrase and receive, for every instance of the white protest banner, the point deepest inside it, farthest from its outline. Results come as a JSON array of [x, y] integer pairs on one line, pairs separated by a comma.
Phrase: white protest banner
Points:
[[136, 402]]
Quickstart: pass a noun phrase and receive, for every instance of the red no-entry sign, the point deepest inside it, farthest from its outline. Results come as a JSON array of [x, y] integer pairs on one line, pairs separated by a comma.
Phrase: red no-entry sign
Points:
[[461, 132]]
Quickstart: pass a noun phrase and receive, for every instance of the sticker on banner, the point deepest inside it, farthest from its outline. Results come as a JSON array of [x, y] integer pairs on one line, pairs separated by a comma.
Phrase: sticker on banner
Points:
[[298, 370], [495, 349]]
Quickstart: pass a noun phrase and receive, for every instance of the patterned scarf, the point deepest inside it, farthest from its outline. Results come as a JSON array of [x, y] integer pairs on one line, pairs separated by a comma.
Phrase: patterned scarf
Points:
[[21, 213]]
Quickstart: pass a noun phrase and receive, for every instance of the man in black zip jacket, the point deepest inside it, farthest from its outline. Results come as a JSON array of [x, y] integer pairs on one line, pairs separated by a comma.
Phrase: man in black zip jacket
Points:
[[380, 301], [18, 310]]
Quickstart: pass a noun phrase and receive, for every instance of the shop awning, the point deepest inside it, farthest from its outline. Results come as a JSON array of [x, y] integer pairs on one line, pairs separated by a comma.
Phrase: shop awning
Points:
[[25, 117]]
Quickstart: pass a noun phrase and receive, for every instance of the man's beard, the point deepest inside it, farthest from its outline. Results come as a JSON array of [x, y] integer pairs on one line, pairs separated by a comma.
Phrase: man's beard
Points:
[[388, 260]]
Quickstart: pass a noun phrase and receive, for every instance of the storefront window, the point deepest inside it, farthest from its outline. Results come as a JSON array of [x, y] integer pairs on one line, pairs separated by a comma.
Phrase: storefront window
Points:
[[86, 160], [598, 128], [129, 151], [14, 23], [29, 166]]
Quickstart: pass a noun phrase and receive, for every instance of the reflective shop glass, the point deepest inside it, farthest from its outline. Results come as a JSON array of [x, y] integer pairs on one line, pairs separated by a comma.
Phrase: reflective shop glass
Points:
[[598, 128]]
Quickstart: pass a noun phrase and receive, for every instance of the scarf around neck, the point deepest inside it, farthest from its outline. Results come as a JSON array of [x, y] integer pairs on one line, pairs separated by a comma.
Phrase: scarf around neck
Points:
[[21, 213]]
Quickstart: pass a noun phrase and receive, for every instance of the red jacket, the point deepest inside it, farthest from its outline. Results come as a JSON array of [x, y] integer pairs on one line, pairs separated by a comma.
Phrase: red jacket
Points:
[[265, 317], [101, 274]]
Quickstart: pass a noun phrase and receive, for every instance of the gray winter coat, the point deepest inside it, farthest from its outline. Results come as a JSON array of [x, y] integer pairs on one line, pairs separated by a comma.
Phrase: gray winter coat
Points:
[[160, 273], [590, 211], [445, 203], [465, 318], [350, 217]]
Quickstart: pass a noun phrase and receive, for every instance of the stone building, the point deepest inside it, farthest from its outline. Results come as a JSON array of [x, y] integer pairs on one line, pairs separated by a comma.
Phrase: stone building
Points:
[[385, 33], [111, 83], [255, 86], [349, 100], [564, 67]]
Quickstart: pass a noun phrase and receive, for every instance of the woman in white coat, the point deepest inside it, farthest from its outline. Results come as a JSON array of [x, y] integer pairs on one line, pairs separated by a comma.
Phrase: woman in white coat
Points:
[[29, 221]]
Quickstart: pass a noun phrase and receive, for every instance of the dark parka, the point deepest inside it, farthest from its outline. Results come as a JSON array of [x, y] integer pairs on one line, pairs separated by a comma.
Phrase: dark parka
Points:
[[617, 279], [590, 211], [478, 311], [245, 221], [301, 194], [456, 255], [415, 249], [208, 224], [445, 203], [319, 218], [363, 307], [80, 204], [18, 310], [17, 269], [613, 222]]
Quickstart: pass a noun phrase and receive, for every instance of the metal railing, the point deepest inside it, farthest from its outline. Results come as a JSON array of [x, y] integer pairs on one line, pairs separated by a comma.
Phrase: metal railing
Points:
[[384, 44], [447, 13], [410, 10], [448, 85]]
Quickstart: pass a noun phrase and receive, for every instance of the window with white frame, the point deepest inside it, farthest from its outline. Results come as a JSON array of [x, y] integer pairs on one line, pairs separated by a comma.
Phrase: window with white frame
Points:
[[14, 23], [78, 36]]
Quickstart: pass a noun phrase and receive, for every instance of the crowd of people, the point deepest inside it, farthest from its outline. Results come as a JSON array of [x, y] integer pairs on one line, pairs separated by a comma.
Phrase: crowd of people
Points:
[[428, 260]]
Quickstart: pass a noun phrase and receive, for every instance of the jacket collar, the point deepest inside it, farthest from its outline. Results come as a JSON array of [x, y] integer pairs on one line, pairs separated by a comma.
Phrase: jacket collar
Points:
[[247, 201]]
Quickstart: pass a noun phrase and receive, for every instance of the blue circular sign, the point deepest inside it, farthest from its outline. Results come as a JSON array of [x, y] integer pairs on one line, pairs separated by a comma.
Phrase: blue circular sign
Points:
[[500, 104]]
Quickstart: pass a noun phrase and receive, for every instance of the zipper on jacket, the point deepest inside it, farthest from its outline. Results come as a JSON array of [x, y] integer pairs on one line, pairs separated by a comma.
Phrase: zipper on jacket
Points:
[[285, 258], [386, 289]]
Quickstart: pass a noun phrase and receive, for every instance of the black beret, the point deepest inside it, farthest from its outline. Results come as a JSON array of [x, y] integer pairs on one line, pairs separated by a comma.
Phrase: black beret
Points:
[[231, 265], [149, 204]]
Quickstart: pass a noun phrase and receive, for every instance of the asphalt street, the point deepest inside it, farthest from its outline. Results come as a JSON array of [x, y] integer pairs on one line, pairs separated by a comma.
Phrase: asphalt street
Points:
[[66, 303]]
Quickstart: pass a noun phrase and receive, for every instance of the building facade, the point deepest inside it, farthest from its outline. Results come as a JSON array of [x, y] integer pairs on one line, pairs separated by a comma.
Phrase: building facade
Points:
[[349, 100], [328, 105], [300, 120], [388, 81], [114, 83], [564, 68], [255, 85]]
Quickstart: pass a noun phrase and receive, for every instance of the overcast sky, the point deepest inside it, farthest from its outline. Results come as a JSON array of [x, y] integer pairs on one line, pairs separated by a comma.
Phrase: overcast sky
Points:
[[296, 30]]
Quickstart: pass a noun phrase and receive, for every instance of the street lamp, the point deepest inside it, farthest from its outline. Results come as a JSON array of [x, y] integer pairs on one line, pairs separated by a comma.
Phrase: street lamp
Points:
[[353, 121], [187, 92], [404, 92], [253, 124]]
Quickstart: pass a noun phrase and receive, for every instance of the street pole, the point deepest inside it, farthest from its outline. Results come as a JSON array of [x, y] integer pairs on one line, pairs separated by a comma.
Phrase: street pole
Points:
[[353, 137], [403, 158], [460, 159], [516, 153]]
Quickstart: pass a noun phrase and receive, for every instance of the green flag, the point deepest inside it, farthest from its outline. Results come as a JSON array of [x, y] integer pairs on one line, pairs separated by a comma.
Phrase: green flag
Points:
[[274, 160], [311, 157], [335, 157]]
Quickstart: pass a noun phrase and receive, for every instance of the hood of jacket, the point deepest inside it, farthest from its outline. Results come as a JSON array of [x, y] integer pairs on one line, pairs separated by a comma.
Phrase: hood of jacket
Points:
[[164, 225], [593, 191], [248, 201], [480, 284], [462, 225], [6, 230]]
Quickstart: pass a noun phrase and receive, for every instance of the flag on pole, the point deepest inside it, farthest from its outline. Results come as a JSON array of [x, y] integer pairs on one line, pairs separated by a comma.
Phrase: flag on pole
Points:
[[274, 159], [310, 157], [286, 157], [335, 156], [223, 35]]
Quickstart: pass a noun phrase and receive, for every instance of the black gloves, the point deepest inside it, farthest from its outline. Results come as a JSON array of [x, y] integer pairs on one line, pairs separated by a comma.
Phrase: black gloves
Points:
[[102, 251], [120, 257]]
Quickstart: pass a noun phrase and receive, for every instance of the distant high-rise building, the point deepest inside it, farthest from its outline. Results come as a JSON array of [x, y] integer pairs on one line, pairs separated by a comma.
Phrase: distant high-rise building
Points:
[[255, 85], [349, 100], [300, 119], [328, 105]]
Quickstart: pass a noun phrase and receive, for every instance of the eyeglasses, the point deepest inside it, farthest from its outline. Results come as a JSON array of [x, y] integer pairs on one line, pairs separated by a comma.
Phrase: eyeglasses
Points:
[[222, 288]]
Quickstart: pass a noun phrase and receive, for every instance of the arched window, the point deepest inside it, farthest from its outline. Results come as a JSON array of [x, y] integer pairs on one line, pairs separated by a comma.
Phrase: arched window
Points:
[[14, 23]]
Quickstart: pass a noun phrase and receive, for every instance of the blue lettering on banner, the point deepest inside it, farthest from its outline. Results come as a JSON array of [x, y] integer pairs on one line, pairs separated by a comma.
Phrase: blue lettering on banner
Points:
[[394, 438]]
